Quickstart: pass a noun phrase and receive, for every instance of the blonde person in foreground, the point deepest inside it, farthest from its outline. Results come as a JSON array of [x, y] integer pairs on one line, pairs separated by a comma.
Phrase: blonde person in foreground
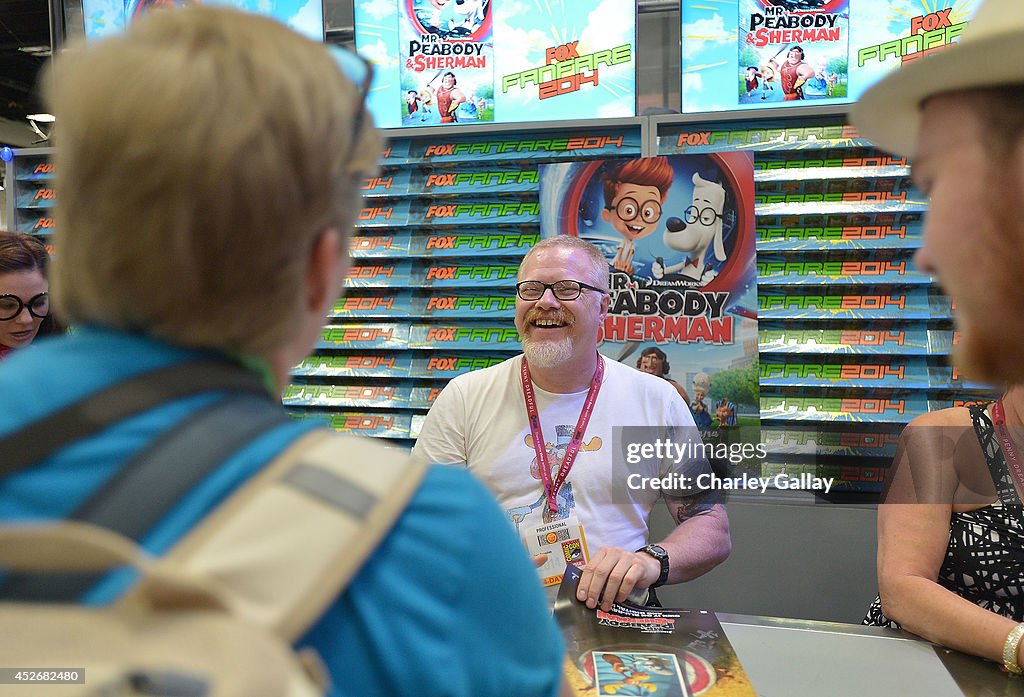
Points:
[[208, 171], [951, 530]]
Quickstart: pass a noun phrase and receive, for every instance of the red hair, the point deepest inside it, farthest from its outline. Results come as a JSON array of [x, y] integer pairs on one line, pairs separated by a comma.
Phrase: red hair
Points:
[[647, 171]]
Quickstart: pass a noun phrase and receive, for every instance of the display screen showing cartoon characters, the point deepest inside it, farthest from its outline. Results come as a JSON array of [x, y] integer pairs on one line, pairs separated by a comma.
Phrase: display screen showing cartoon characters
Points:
[[104, 17], [440, 62], [793, 52], [447, 66], [678, 233]]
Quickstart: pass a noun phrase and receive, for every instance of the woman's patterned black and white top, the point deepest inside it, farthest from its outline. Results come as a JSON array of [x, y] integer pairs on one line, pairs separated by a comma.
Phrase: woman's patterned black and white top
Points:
[[985, 557]]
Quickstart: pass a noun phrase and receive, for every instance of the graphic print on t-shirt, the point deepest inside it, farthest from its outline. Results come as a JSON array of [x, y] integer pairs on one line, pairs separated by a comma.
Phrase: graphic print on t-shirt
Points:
[[537, 513], [557, 534]]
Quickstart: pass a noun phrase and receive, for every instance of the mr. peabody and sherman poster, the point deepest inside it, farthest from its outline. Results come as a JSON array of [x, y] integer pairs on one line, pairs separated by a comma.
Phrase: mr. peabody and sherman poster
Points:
[[678, 233]]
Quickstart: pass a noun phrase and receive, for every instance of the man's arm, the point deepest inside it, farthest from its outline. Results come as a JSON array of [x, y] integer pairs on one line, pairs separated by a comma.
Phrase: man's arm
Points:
[[700, 541], [442, 438]]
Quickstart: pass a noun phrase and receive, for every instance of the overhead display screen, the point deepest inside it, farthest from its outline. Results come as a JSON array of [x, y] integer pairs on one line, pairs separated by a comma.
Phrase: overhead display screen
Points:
[[441, 62], [104, 17], [753, 54]]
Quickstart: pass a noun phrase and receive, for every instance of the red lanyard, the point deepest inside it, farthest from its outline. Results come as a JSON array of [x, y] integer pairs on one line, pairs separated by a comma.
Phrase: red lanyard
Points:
[[551, 488], [1013, 462]]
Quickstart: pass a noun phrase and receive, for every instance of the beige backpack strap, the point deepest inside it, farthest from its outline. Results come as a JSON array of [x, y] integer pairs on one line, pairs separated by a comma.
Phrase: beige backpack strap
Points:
[[72, 546], [287, 543]]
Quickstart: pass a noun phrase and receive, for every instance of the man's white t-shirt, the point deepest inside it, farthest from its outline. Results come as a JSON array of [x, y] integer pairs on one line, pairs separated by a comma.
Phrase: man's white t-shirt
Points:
[[479, 420]]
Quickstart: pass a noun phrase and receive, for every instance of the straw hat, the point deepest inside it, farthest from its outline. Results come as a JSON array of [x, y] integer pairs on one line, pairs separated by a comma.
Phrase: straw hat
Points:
[[990, 52]]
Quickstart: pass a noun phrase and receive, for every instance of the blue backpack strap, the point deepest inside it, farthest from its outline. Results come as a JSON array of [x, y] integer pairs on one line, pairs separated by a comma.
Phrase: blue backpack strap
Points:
[[96, 412], [156, 479]]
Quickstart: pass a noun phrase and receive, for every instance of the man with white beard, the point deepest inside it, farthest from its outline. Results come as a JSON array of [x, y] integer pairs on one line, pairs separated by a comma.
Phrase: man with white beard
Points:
[[543, 430]]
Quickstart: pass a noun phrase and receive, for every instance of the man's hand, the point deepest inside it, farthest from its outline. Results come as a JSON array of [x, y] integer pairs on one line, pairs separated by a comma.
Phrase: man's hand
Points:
[[540, 559], [613, 573]]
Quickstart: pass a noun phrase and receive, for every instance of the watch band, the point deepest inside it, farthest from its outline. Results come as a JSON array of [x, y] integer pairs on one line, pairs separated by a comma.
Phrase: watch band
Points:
[[661, 555]]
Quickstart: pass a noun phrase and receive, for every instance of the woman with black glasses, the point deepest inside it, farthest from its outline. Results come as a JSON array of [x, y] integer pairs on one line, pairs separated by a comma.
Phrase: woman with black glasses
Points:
[[24, 291]]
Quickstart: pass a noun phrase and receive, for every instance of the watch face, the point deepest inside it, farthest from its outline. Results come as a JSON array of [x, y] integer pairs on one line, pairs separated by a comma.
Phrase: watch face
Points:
[[659, 553]]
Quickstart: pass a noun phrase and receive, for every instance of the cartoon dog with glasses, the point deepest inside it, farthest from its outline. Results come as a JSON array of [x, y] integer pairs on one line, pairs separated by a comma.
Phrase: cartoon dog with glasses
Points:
[[699, 232]]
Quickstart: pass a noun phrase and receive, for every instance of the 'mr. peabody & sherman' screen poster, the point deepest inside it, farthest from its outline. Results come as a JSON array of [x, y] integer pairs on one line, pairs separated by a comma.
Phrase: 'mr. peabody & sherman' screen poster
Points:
[[448, 66], [678, 233], [791, 50]]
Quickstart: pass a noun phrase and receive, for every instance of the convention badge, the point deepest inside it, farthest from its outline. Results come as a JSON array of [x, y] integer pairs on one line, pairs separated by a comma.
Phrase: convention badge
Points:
[[563, 541]]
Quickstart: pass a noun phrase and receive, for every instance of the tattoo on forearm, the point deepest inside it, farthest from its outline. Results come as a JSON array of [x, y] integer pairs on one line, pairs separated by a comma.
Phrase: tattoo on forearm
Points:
[[695, 505]]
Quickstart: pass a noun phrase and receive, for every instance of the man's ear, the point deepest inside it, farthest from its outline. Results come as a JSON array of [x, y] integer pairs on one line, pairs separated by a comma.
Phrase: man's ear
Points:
[[606, 215], [325, 270]]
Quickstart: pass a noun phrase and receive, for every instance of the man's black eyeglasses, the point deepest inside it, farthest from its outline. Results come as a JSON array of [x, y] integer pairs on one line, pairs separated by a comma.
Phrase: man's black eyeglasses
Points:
[[11, 306], [563, 290]]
